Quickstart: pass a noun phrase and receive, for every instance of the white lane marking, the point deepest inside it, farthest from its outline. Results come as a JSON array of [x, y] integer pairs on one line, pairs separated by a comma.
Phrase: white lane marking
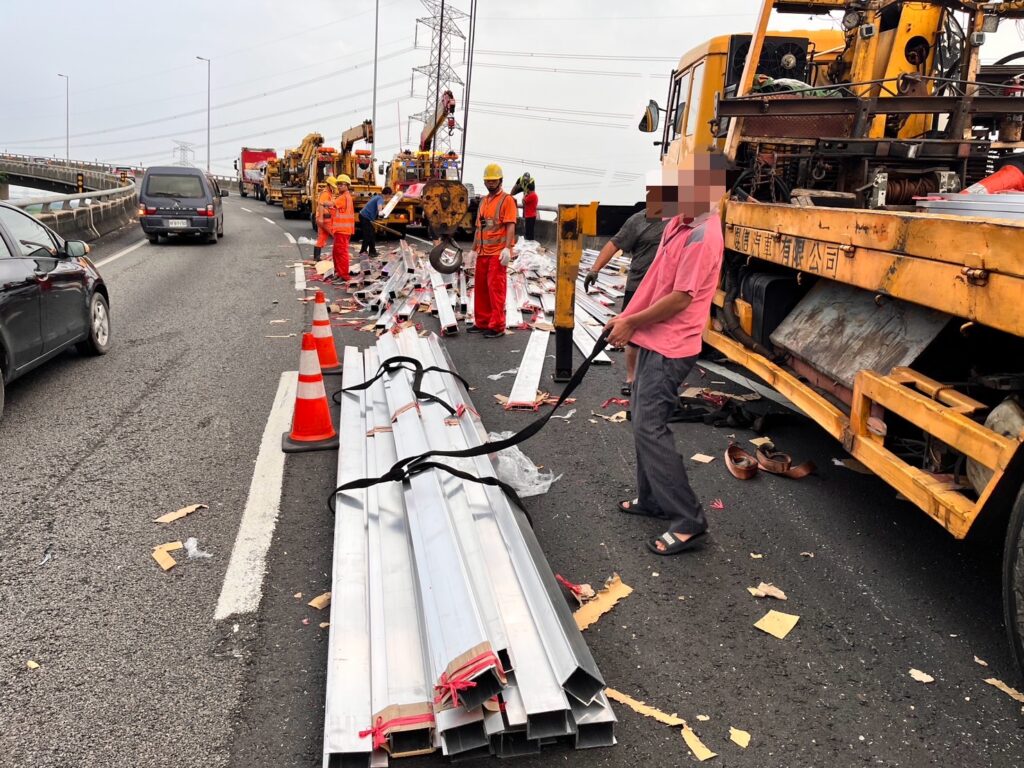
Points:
[[300, 277], [243, 582], [245, 209], [119, 254], [269, 221], [291, 238]]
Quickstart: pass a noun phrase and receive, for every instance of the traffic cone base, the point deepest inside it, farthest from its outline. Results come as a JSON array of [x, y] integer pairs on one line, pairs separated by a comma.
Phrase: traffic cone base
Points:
[[312, 429], [326, 352]]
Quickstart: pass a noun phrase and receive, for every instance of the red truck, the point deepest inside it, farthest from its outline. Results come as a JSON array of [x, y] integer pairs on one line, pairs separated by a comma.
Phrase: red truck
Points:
[[251, 167]]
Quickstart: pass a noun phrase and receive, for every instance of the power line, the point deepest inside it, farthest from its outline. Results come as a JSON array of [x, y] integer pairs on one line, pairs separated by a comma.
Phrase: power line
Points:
[[584, 170], [544, 119], [561, 71], [557, 110], [587, 56]]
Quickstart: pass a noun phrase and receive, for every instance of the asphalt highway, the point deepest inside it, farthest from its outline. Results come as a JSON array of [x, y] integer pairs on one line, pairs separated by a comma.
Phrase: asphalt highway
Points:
[[134, 670]]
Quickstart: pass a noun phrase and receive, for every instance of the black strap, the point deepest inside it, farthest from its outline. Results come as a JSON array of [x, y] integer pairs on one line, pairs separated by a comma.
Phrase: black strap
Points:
[[412, 465], [408, 363]]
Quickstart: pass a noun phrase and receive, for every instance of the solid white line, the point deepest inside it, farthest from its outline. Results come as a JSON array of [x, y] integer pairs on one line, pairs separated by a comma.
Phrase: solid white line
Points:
[[121, 253], [243, 582], [269, 221], [245, 209], [291, 238], [300, 277]]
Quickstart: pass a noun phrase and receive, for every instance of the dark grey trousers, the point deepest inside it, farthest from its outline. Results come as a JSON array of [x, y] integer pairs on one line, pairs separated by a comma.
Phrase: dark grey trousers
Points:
[[662, 485]]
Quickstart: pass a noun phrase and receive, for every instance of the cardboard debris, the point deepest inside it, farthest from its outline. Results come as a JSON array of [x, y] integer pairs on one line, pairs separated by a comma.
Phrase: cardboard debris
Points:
[[921, 677], [606, 599], [759, 441], [324, 266], [765, 589], [616, 418], [756, 556], [1013, 693], [297, 595], [31, 664], [703, 718], [980, 661], [320, 601], [170, 517], [279, 321], [163, 559], [777, 624], [642, 709], [703, 458], [324, 624], [739, 737], [543, 326], [806, 554], [696, 746]]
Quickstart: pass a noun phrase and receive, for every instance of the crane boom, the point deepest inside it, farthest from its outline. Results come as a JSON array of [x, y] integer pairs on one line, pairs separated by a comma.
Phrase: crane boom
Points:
[[443, 113], [361, 132]]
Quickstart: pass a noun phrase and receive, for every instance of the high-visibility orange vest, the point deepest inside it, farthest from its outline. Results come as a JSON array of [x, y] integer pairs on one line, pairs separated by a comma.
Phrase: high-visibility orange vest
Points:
[[344, 221], [491, 237], [325, 206]]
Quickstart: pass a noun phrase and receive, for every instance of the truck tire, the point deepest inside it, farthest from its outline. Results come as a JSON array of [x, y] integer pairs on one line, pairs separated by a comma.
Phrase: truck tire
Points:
[[242, 192], [1013, 581]]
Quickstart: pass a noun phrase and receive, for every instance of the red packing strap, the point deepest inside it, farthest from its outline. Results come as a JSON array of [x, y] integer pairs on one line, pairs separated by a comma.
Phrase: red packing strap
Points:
[[461, 680], [576, 589], [461, 408], [380, 728]]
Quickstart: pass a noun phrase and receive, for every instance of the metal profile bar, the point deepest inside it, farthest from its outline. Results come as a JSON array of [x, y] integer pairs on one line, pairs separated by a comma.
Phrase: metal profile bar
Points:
[[461, 730], [454, 628], [584, 341], [595, 723], [400, 684], [513, 315], [524, 388], [347, 708], [547, 302], [567, 652], [445, 313]]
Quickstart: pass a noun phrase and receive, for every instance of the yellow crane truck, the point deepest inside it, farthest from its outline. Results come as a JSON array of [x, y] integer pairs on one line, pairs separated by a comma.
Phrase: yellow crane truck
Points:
[[295, 170], [272, 182], [858, 280]]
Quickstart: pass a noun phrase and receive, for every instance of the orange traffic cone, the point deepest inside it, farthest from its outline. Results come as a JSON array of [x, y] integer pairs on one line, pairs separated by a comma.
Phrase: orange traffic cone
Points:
[[312, 429], [325, 350], [1009, 178]]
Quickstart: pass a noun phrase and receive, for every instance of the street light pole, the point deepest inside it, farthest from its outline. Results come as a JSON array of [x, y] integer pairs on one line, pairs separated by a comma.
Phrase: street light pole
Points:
[[201, 58], [373, 116], [67, 117]]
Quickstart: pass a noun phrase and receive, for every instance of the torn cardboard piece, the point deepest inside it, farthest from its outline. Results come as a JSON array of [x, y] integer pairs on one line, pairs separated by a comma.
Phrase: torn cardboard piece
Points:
[[616, 418], [1013, 693], [320, 601], [777, 624], [606, 599], [162, 556], [759, 441], [921, 677], [765, 589], [642, 709], [696, 746], [739, 737], [703, 458], [170, 517], [324, 266], [32, 664]]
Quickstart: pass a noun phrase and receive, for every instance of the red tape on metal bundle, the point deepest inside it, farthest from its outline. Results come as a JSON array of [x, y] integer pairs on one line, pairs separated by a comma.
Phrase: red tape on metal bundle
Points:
[[461, 679], [380, 728]]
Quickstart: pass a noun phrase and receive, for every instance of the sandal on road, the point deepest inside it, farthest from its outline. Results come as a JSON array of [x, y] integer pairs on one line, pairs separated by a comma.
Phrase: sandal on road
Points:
[[632, 507], [673, 546], [626, 390]]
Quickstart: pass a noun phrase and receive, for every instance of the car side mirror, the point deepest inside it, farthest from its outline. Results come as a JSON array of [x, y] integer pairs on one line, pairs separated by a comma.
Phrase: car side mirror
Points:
[[76, 249], [223, 193], [651, 117]]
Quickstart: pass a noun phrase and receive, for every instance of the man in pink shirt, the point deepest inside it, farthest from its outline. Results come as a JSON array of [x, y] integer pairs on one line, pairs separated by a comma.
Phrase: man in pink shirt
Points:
[[664, 320]]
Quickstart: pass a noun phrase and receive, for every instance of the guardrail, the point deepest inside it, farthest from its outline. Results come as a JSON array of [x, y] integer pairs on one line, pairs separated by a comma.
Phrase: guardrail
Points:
[[86, 197]]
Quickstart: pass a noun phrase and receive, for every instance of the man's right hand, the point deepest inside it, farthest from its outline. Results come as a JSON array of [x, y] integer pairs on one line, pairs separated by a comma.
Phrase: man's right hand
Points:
[[588, 281]]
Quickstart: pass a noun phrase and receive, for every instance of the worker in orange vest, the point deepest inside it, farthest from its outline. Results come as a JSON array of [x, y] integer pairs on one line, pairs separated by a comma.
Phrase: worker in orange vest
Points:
[[492, 250], [325, 214], [344, 226]]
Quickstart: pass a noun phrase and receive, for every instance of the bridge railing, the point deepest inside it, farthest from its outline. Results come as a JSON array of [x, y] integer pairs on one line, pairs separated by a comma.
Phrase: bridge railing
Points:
[[84, 198]]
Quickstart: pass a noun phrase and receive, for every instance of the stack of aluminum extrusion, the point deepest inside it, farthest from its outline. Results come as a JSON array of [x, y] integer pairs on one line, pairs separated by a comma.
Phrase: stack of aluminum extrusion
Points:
[[448, 629]]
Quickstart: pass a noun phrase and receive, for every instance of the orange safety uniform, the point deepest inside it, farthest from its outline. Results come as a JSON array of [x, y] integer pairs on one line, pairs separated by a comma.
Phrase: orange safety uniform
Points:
[[324, 216], [492, 217], [343, 226]]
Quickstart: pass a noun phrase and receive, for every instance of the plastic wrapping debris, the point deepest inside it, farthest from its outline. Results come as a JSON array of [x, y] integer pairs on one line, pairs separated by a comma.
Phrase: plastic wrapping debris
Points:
[[516, 469], [193, 551], [509, 372], [306, 241]]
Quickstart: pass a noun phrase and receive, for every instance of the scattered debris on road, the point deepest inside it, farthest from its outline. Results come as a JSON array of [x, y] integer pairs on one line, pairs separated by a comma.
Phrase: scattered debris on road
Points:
[[980, 661], [777, 624], [324, 624], [193, 551], [739, 737], [47, 555], [31, 664], [162, 556], [320, 601], [717, 504], [700, 751], [756, 556], [759, 441], [806, 554], [170, 517], [703, 458], [616, 418], [1013, 693], [615, 401], [607, 598], [921, 677], [509, 372], [566, 416], [643, 709], [765, 589]]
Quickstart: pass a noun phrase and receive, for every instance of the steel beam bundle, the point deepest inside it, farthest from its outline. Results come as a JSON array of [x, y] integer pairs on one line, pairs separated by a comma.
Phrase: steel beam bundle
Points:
[[439, 583]]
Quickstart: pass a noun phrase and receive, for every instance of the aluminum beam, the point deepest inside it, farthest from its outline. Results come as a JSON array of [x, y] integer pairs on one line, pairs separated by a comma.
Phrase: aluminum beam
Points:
[[445, 313], [524, 388]]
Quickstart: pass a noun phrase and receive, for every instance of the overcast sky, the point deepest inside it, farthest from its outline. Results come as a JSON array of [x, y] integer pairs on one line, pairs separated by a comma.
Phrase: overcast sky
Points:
[[283, 69]]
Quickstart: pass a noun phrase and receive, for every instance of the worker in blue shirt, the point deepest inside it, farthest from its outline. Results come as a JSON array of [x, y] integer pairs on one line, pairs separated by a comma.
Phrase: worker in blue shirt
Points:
[[367, 215]]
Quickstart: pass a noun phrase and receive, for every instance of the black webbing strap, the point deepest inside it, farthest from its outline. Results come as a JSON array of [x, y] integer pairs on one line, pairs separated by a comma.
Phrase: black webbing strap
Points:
[[413, 465], [408, 363]]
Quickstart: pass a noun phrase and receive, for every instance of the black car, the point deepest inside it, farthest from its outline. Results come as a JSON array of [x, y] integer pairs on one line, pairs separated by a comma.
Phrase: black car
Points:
[[176, 200], [51, 297]]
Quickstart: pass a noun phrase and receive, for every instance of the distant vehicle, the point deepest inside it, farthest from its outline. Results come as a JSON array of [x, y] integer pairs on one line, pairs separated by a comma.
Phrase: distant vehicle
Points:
[[129, 173], [252, 167], [51, 297], [175, 200]]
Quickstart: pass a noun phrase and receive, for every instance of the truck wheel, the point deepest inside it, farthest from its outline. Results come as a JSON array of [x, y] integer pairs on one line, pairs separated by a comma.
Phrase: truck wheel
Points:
[[1013, 581], [98, 341], [243, 193]]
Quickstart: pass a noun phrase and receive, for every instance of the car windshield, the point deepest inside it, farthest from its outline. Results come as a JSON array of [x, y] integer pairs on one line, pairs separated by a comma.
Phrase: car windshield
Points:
[[174, 185]]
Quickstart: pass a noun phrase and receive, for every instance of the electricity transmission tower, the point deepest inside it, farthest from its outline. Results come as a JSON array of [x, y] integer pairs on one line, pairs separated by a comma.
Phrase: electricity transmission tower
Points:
[[183, 152], [439, 74]]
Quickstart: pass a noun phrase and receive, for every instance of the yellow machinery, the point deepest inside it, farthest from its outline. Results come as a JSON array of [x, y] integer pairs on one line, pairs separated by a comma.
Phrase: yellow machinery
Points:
[[295, 176], [857, 282], [357, 164], [272, 182], [325, 163]]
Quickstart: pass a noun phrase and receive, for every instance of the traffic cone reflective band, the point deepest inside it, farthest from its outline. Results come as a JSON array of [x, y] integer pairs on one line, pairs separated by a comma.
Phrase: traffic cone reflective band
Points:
[[312, 429], [1009, 178], [325, 349]]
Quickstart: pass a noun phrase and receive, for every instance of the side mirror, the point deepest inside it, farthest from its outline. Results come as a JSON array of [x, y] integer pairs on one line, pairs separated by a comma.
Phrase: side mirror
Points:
[[76, 249], [236, 165], [651, 118], [381, 169], [223, 193]]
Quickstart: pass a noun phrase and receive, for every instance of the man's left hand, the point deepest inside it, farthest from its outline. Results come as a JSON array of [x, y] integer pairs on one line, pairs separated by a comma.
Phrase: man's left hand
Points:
[[506, 256], [620, 331]]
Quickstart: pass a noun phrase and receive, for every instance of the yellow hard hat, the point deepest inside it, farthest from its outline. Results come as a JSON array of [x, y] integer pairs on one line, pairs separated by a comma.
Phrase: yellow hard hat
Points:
[[344, 179], [331, 181], [493, 172]]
